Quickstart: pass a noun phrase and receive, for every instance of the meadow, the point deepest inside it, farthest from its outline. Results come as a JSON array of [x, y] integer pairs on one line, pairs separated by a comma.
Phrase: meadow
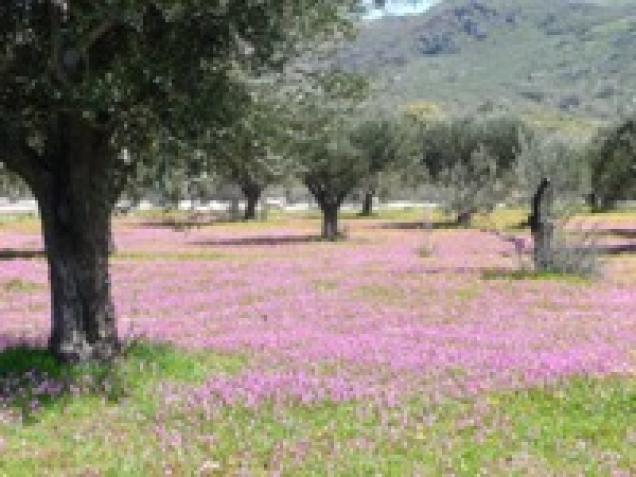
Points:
[[257, 349]]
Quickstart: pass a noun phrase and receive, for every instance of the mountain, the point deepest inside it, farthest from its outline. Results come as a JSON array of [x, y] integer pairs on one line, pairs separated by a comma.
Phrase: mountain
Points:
[[546, 58]]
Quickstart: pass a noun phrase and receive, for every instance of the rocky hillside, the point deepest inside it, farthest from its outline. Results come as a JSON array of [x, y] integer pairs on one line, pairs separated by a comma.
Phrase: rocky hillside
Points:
[[542, 57]]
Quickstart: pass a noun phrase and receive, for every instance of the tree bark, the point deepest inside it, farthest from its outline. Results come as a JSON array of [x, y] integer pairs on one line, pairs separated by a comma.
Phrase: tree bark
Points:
[[112, 245], [252, 197], [330, 221], [464, 219], [76, 195], [542, 227], [234, 209], [367, 204]]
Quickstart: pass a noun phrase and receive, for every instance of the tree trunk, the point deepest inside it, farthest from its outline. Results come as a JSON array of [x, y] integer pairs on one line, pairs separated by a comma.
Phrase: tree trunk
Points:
[[112, 245], [252, 197], [542, 227], [464, 219], [367, 204], [76, 196], [235, 212], [264, 210], [329, 221]]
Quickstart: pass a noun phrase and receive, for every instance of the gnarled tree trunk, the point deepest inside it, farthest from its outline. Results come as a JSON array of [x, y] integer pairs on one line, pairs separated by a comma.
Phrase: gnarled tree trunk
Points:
[[542, 226], [329, 202], [76, 195]]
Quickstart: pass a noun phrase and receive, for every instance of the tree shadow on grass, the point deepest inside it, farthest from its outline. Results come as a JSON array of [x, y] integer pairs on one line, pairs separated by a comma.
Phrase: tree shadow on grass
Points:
[[623, 233], [185, 223], [450, 269], [19, 254], [179, 224], [444, 225], [260, 241], [31, 379], [616, 249], [530, 275]]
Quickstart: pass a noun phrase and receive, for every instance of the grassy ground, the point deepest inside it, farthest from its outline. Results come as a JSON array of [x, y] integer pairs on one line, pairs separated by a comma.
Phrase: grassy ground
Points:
[[144, 413], [579, 427]]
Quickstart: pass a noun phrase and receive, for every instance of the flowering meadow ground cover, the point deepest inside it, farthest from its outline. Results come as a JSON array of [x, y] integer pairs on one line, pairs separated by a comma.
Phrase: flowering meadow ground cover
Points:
[[269, 352]]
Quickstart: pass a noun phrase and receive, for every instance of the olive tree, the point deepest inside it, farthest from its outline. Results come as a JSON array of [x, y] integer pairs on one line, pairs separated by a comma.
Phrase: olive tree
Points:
[[555, 157], [612, 156], [80, 82], [383, 142], [471, 161], [250, 151], [321, 126]]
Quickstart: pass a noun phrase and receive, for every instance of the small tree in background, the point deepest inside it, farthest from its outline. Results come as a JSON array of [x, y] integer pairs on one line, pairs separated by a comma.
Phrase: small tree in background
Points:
[[560, 159], [384, 143], [328, 162], [471, 161], [472, 185], [250, 151], [612, 157]]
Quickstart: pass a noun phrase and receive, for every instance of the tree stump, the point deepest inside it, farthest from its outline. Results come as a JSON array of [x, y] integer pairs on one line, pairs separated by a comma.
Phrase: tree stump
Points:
[[542, 226]]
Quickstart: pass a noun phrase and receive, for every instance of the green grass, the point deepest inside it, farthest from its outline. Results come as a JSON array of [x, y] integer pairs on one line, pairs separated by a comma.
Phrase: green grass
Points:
[[579, 427], [7, 220], [141, 367], [20, 286], [525, 274], [162, 256]]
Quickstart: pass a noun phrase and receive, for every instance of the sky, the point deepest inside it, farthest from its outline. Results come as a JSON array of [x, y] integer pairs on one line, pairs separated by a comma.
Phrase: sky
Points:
[[403, 7]]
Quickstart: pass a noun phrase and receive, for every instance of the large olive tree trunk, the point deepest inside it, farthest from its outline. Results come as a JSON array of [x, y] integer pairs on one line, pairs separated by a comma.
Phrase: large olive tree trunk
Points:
[[76, 195]]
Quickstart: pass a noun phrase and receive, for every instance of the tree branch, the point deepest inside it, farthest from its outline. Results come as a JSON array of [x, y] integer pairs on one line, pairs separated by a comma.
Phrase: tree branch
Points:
[[22, 160], [56, 43], [65, 61], [94, 35]]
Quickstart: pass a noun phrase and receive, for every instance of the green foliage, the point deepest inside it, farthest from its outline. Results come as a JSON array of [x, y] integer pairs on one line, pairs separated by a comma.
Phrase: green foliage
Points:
[[387, 143], [613, 163], [320, 137], [558, 158], [471, 160], [250, 151], [447, 143], [134, 69]]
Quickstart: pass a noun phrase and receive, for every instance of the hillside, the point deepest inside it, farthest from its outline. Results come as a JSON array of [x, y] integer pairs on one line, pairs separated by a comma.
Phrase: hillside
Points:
[[542, 57]]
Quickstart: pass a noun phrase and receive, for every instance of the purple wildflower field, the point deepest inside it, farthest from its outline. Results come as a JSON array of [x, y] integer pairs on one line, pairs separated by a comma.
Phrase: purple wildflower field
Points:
[[366, 319]]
